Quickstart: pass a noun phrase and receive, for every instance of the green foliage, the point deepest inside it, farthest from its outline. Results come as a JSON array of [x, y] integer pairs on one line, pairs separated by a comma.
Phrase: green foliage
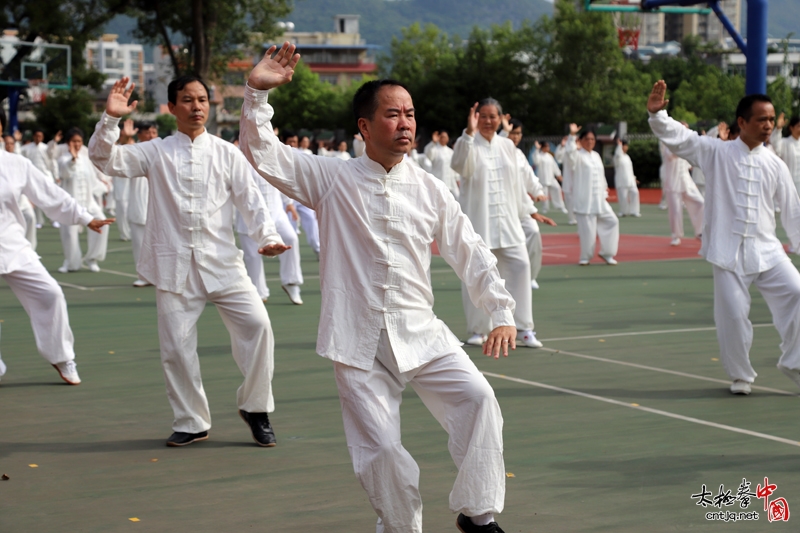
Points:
[[66, 109], [646, 161], [312, 104], [782, 96], [167, 124]]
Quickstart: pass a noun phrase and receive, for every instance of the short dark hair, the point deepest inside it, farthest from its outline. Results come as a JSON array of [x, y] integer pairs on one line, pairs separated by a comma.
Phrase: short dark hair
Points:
[[794, 121], [625, 142], [733, 129], [582, 135], [38, 130], [72, 132], [365, 101], [146, 125], [3, 120], [515, 123], [179, 83], [745, 107], [286, 134]]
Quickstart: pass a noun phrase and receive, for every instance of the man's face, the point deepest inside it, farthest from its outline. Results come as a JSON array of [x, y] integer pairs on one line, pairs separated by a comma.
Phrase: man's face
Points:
[[760, 126], [148, 134], [291, 141], [515, 135], [75, 143], [625, 148], [38, 137], [444, 138], [488, 120], [393, 126], [588, 142], [9, 143], [191, 106]]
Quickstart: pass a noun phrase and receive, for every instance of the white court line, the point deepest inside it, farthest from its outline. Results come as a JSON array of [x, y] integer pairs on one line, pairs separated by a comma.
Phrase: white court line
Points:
[[112, 250], [636, 333], [134, 276], [662, 370], [647, 409], [72, 286], [555, 255]]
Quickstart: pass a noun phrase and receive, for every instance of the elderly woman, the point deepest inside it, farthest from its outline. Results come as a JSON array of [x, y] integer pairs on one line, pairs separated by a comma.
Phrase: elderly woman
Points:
[[493, 197], [589, 195]]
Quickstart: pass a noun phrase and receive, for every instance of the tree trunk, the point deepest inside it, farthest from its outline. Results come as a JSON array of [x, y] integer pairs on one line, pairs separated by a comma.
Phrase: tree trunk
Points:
[[199, 41]]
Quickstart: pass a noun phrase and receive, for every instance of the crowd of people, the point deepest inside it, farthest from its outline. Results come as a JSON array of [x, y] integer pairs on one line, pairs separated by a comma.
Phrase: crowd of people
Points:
[[371, 221]]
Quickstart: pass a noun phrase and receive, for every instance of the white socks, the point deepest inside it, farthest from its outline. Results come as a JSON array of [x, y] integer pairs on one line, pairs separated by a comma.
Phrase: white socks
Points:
[[483, 519]]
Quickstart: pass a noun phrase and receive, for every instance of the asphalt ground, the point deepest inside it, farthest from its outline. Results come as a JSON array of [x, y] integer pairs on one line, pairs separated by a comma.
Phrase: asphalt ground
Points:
[[613, 426]]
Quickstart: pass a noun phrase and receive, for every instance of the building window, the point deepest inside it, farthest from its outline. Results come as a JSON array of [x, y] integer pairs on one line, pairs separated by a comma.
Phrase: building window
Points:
[[773, 70], [233, 104], [333, 79]]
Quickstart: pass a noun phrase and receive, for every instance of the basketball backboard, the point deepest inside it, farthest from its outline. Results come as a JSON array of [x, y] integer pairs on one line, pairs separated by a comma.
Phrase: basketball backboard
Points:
[[23, 64], [638, 6]]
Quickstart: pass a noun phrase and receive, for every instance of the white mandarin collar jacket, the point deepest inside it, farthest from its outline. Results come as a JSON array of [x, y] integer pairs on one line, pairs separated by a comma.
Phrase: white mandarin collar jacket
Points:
[[743, 188], [193, 190], [623, 170], [18, 176], [377, 228], [589, 185], [492, 190]]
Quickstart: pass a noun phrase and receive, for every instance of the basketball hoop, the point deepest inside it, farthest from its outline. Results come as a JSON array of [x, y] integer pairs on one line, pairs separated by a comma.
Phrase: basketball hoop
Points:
[[37, 91], [629, 27], [628, 37]]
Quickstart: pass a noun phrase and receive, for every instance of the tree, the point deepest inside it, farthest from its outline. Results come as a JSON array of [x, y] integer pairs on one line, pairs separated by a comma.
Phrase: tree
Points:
[[201, 36], [67, 109]]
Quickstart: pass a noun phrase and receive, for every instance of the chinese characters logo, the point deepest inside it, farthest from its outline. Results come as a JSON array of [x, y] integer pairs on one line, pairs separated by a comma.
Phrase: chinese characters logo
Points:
[[777, 509]]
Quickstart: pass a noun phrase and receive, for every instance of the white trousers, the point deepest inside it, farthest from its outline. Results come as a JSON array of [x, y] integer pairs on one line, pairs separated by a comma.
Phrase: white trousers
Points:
[[694, 205], [515, 268], [463, 402], [780, 287], [252, 345], [553, 193], [628, 198], [568, 204], [97, 242], [137, 237], [604, 225], [43, 300], [123, 225], [533, 242], [29, 215], [308, 219], [290, 271], [39, 215]]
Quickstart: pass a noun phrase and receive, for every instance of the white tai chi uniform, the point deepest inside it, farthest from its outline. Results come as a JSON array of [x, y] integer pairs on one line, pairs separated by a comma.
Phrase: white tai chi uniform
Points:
[[79, 179], [743, 189], [440, 157], [589, 201], [40, 156], [548, 172], [680, 190], [139, 191], [788, 149], [377, 322], [121, 193], [29, 217], [533, 237], [290, 271], [21, 268], [625, 184], [566, 183], [190, 255], [699, 179]]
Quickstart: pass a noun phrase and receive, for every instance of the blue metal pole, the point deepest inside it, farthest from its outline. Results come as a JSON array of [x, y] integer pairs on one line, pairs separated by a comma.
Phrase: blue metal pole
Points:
[[13, 105], [729, 26], [756, 80]]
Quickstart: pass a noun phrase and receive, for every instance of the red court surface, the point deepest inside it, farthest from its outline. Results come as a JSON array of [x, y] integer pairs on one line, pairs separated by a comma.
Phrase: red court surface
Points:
[[646, 196], [564, 249]]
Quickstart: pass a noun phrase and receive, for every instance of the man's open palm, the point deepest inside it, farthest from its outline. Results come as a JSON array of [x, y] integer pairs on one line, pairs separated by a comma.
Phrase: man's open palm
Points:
[[656, 102], [274, 71], [117, 103]]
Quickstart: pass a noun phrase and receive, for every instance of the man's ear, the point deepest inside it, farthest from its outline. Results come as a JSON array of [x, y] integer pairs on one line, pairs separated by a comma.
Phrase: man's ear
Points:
[[363, 128]]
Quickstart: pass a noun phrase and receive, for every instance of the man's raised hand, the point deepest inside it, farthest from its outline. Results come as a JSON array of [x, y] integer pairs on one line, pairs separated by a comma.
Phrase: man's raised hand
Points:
[[656, 102], [472, 119], [574, 129], [117, 103], [274, 71], [271, 250]]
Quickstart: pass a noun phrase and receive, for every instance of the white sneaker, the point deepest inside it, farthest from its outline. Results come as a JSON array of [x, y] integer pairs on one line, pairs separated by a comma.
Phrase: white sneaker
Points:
[[790, 373], [56, 224], [662, 207], [565, 211], [141, 283], [583, 263], [534, 285], [2, 368], [675, 242], [528, 338], [93, 266], [637, 215], [572, 223], [740, 387], [68, 372], [38, 226], [476, 339], [609, 260], [64, 268], [294, 293]]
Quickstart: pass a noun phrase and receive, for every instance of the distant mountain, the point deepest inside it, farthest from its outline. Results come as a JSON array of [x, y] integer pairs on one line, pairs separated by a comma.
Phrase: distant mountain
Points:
[[382, 19]]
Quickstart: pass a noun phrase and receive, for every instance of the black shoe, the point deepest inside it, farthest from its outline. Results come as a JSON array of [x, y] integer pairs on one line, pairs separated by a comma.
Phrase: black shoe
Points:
[[465, 525], [182, 439], [261, 428]]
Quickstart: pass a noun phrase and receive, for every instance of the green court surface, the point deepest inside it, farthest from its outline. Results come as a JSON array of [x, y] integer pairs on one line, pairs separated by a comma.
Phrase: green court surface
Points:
[[612, 427]]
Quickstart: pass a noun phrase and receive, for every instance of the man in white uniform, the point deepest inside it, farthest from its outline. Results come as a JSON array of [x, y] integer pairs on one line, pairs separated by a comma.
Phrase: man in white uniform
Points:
[[493, 197], [25, 206], [307, 216], [440, 154], [80, 179], [679, 190], [39, 154], [21, 268], [549, 175], [189, 252], [625, 182], [788, 148], [566, 181], [745, 182], [379, 216]]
